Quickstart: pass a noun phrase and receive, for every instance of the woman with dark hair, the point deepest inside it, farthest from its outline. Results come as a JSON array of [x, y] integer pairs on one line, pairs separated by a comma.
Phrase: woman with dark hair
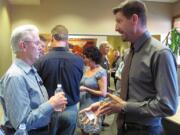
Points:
[[94, 81]]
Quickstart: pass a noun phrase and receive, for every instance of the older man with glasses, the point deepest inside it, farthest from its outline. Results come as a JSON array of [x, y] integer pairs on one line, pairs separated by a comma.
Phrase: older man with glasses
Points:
[[23, 96]]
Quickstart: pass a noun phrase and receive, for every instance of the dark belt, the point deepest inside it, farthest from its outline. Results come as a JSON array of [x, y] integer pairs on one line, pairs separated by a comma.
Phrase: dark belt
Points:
[[41, 129], [134, 126]]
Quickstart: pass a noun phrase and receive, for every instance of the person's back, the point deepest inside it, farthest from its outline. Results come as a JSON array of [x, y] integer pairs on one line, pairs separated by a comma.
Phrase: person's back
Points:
[[60, 66]]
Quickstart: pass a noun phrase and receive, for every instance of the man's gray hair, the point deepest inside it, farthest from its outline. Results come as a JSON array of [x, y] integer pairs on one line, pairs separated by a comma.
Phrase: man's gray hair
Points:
[[104, 44], [21, 33]]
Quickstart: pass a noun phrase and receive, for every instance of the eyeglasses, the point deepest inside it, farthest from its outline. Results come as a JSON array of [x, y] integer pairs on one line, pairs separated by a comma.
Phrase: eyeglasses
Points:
[[35, 42]]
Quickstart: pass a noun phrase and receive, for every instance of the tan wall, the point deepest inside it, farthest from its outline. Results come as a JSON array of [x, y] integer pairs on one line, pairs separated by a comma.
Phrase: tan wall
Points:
[[5, 52], [80, 16], [159, 18], [86, 16]]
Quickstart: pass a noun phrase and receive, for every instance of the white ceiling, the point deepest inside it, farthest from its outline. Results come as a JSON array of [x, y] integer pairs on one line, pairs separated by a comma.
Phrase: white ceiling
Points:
[[37, 2]]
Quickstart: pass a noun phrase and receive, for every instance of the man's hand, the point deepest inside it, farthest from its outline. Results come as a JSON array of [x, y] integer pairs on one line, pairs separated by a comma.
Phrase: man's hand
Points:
[[58, 101], [92, 108], [114, 106]]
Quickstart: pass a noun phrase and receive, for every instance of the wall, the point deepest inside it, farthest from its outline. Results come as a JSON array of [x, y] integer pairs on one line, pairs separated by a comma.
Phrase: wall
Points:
[[5, 26], [80, 16], [86, 16], [159, 18]]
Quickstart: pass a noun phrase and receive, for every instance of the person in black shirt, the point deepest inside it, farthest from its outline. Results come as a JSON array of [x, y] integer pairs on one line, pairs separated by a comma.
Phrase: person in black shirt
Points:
[[60, 66]]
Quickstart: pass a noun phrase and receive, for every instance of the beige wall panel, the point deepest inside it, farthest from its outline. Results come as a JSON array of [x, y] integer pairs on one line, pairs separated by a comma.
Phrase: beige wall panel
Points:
[[86, 16], [5, 52]]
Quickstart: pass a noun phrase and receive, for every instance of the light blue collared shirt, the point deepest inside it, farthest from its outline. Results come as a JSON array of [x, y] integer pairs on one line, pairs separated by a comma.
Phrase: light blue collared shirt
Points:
[[24, 100]]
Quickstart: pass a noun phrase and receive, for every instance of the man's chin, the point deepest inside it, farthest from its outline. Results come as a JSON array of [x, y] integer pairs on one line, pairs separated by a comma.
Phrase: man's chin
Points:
[[124, 39]]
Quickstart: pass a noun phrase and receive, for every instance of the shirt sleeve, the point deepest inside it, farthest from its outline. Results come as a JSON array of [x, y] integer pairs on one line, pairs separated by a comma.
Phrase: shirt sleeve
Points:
[[100, 74], [18, 106], [119, 70], [164, 72]]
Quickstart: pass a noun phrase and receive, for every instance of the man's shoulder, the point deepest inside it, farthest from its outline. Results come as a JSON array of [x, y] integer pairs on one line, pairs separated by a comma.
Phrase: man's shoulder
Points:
[[74, 57], [155, 49], [59, 54], [14, 72], [44, 59], [154, 45]]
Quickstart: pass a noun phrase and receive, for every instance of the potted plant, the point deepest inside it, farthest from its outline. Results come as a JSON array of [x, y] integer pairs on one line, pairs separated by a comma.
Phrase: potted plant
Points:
[[172, 40]]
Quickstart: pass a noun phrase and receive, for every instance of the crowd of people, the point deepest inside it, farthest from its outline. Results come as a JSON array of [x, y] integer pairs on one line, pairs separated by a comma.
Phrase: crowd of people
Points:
[[145, 80]]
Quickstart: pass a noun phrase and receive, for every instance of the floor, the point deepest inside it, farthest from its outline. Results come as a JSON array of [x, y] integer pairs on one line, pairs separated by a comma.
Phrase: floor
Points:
[[112, 129]]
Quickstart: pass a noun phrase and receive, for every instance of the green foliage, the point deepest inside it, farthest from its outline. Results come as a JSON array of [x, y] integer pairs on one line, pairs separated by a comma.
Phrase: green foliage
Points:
[[173, 41]]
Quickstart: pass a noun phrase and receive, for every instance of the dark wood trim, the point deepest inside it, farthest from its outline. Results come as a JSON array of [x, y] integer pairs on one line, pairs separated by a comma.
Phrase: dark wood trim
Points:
[[173, 20]]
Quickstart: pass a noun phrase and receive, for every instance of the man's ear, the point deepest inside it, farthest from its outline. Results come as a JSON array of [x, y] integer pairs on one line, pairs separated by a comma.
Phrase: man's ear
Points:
[[22, 45], [134, 19]]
